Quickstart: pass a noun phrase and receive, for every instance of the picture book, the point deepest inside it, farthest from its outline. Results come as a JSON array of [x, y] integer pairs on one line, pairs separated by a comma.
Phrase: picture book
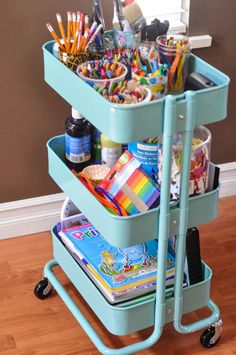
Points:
[[119, 273]]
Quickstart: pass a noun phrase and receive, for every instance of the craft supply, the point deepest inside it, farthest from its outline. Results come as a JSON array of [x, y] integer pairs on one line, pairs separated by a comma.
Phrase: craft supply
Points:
[[78, 36], [124, 25], [130, 187], [110, 151], [101, 195], [69, 21], [156, 82], [175, 52], [94, 35], [134, 16], [100, 72], [125, 92], [98, 14], [77, 141], [199, 162], [62, 31], [54, 35], [147, 153], [96, 173]]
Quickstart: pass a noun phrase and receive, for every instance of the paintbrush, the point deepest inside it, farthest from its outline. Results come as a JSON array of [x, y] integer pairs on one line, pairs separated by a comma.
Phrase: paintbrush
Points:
[[134, 16], [119, 16]]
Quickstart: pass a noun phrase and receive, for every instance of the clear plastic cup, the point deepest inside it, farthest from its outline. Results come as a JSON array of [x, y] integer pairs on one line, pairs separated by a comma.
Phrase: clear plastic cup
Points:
[[98, 83], [174, 50], [201, 146]]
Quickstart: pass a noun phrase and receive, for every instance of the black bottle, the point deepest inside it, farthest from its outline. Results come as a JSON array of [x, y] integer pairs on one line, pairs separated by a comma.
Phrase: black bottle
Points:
[[77, 141]]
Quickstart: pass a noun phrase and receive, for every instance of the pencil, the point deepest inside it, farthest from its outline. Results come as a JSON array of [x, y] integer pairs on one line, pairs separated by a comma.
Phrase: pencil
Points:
[[54, 35], [85, 40], [60, 24], [69, 18], [74, 46], [80, 34], [73, 25]]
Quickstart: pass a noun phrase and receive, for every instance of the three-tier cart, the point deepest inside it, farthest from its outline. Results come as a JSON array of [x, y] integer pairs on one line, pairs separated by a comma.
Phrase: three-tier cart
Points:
[[128, 124]]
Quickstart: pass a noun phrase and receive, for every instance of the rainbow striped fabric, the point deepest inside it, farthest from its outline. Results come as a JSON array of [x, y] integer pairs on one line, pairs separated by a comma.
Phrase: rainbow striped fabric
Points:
[[130, 187]]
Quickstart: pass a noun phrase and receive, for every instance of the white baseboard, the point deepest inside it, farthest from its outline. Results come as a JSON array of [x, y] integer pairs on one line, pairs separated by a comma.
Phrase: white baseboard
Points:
[[39, 214], [228, 179], [29, 216]]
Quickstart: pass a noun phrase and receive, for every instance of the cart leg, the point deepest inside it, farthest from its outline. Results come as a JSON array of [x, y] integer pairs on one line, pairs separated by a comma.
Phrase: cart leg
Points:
[[43, 288], [211, 335], [130, 349]]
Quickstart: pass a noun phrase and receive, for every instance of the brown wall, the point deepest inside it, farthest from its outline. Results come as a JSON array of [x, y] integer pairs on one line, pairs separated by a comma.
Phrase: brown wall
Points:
[[31, 112], [217, 18]]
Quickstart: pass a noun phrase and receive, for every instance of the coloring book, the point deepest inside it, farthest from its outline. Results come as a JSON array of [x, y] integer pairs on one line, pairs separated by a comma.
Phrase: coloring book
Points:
[[119, 273]]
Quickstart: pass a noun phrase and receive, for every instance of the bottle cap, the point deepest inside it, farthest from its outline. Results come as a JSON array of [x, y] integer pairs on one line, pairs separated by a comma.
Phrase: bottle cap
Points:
[[76, 114]]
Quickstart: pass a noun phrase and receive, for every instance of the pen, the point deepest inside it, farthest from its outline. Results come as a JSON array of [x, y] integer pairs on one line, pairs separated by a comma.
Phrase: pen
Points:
[[94, 35]]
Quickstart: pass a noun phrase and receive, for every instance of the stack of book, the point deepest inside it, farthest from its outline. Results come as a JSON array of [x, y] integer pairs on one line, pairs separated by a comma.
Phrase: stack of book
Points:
[[119, 273]]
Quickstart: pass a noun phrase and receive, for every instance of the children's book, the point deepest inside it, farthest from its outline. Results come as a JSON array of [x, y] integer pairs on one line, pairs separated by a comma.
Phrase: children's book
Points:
[[119, 273]]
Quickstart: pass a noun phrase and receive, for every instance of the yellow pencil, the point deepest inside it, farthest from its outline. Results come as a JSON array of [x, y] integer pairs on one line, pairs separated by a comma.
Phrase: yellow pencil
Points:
[[53, 33], [69, 18], [73, 30], [60, 24]]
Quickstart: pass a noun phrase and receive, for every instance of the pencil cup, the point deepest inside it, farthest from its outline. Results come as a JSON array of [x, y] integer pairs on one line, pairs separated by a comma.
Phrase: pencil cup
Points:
[[175, 52], [200, 159], [95, 73], [96, 51], [72, 60]]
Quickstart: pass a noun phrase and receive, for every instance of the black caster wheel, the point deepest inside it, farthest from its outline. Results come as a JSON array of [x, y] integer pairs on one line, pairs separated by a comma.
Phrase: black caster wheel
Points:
[[43, 289], [211, 335]]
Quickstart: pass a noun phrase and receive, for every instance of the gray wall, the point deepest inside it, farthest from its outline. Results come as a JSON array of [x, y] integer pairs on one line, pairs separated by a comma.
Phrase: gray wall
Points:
[[31, 112]]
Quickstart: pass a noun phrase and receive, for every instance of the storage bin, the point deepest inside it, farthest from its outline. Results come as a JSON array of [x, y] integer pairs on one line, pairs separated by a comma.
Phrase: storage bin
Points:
[[126, 318], [123, 231], [133, 123]]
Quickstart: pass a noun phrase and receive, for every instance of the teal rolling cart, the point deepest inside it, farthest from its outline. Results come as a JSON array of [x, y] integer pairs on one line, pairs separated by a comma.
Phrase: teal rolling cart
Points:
[[126, 124]]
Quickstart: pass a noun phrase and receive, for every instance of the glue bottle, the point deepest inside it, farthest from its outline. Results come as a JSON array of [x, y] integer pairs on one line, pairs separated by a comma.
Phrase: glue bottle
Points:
[[111, 151], [77, 141]]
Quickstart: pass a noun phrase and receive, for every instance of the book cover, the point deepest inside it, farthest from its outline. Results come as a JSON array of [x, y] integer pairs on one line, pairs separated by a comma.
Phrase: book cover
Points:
[[117, 271]]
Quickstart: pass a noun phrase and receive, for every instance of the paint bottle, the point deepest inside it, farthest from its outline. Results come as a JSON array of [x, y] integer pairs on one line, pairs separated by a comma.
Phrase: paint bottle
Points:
[[77, 141], [111, 151]]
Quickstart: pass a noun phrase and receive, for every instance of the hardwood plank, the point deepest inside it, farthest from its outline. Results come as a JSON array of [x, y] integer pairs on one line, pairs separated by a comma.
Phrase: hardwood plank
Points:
[[33, 327]]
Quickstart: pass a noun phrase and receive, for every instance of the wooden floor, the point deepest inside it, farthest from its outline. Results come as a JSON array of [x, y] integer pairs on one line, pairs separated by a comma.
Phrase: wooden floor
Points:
[[29, 326]]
